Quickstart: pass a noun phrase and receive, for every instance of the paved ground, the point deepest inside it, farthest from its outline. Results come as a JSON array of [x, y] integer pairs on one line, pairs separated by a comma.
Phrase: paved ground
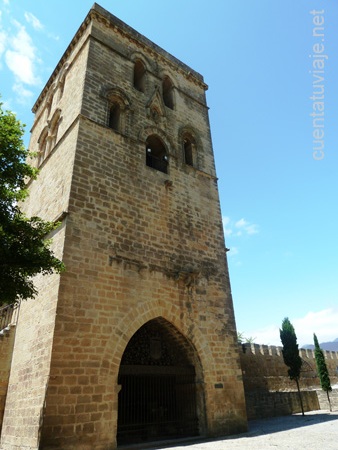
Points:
[[317, 430]]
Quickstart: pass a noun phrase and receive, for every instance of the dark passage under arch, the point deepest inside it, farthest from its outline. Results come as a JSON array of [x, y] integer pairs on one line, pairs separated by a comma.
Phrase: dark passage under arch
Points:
[[158, 386]]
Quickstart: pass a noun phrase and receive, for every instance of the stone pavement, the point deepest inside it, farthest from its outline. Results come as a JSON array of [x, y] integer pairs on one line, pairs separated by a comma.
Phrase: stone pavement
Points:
[[317, 430]]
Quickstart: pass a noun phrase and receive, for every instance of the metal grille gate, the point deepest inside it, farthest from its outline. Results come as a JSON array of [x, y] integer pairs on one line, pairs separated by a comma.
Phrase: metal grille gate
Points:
[[156, 403]]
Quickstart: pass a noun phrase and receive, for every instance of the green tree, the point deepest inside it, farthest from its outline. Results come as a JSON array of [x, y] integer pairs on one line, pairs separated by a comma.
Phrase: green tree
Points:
[[322, 369], [244, 340], [24, 250], [291, 354]]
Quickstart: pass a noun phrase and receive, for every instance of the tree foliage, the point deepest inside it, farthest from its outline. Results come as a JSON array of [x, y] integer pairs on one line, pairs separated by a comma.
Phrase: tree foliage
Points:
[[322, 369], [290, 349], [24, 250], [244, 340], [291, 353]]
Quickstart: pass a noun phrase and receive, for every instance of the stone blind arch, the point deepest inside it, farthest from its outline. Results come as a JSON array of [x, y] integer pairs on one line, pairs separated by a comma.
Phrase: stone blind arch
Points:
[[49, 100], [42, 143], [118, 104], [62, 79], [188, 132], [48, 136]]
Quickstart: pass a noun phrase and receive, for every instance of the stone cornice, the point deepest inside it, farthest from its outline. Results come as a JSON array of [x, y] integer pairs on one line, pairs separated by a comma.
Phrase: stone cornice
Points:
[[99, 14]]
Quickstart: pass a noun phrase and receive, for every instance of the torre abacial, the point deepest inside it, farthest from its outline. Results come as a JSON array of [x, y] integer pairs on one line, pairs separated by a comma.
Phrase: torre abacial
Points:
[[136, 341]]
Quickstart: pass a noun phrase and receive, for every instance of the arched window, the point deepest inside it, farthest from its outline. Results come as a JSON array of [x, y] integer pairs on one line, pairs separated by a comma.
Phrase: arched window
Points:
[[54, 128], [188, 147], [62, 86], [42, 141], [156, 155], [115, 116], [118, 105], [139, 76], [167, 92], [49, 104], [62, 80]]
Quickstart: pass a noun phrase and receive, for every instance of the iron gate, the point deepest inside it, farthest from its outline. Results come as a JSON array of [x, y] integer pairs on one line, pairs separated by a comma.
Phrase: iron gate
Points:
[[156, 403]]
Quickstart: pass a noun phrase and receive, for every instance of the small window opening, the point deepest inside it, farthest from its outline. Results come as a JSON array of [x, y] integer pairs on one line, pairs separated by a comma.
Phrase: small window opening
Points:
[[139, 76], [62, 87], [114, 116], [156, 155], [53, 132], [42, 150], [168, 95], [188, 152], [49, 106]]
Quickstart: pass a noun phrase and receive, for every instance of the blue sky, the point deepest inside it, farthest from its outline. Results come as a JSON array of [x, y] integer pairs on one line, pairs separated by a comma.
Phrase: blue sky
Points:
[[269, 65]]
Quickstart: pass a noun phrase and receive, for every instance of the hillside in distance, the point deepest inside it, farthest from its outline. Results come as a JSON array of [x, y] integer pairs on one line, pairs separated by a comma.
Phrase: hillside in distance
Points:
[[331, 346]]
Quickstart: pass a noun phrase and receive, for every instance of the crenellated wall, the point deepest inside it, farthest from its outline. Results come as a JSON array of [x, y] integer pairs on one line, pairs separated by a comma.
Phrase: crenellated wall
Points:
[[268, 389]]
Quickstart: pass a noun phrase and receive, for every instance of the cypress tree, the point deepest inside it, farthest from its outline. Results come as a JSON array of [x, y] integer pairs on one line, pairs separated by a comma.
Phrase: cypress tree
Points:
[[322, 369], [291, 354]]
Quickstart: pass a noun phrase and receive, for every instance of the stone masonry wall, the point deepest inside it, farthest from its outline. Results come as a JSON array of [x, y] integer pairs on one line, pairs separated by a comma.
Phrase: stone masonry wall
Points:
[[48, 198], [30, 365], [268, 389], [324, 402], [6, 349]]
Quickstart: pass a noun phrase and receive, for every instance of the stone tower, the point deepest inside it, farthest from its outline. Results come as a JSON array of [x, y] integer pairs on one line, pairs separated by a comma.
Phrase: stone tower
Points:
[[136, 340]]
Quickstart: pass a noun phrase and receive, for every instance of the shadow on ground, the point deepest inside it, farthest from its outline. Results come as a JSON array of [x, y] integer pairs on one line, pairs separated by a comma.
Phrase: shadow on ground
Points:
[[284, 423], [256, 428]]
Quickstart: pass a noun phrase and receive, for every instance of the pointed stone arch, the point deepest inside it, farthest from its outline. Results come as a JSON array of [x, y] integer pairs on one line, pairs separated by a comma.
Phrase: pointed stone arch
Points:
[[160, 382], [138, 316]]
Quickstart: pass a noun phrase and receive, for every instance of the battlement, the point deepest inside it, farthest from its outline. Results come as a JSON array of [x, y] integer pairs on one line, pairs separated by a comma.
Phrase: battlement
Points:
[[274, 350]]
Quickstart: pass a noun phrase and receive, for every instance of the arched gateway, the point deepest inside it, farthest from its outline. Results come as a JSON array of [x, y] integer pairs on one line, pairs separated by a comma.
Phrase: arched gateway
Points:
[[159, 375]]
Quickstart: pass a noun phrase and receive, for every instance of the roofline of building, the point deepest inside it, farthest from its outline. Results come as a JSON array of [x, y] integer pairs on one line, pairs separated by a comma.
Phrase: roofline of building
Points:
[[124, 29]]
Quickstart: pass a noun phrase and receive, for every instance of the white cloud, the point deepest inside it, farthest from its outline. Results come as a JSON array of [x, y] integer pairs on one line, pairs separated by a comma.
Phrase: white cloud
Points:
[[7, 106], [21, 57], [323, 323], [240, 223], [34, 21], [3, 40], [246, 227], [23, 95], [226, 222], [233, 251], [239, 228]]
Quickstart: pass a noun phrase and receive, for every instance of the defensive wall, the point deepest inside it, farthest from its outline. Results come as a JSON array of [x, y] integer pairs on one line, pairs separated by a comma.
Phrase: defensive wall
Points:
[[269, 391]]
